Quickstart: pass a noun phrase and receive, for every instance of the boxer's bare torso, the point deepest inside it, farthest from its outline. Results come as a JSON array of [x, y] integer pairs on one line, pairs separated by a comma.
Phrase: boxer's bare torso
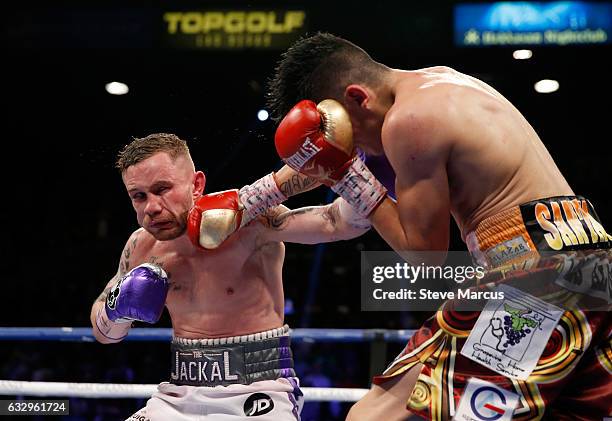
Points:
[[489, 155], [233, 290], [459, 147]]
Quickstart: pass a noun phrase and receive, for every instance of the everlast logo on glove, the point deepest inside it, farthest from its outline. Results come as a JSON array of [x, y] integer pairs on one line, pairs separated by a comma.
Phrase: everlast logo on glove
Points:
[[258, 404], [300, 158]]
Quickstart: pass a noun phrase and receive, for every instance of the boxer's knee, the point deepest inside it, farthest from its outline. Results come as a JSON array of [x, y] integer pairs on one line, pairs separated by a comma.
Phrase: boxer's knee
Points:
[[387, 401], [369, 410], [359, 412], [370, 407]]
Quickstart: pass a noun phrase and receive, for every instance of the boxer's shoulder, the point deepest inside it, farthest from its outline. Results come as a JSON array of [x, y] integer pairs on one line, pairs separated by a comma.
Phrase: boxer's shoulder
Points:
[[136, 250], [141, 240], [418, 114], [415, 135]]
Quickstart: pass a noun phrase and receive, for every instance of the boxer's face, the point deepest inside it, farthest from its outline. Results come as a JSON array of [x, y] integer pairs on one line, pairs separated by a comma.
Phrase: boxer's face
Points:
[[162, 194]]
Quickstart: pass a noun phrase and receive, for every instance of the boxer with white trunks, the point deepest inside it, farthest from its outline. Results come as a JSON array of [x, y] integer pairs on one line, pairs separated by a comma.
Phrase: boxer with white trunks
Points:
[[215, 262]]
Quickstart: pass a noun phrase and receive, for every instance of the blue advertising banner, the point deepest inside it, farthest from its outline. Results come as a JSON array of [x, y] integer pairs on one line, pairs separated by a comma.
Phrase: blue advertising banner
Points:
[[530, 23]]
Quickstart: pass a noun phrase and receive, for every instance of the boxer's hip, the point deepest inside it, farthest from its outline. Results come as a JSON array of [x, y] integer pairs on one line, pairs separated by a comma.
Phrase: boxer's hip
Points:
[[554, 224], [238, 360], [549, 252]]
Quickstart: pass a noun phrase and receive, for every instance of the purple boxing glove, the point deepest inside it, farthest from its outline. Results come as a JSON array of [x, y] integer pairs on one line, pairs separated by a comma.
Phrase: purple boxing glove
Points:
[[139, 295]]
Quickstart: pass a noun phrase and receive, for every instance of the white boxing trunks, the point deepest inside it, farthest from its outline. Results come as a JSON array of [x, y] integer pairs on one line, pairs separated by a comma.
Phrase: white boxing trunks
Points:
[[228, 379]]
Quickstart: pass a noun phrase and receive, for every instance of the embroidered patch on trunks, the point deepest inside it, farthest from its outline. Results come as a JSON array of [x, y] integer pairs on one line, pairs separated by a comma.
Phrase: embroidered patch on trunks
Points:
[[511, 333], [508, 250], [484, 401]]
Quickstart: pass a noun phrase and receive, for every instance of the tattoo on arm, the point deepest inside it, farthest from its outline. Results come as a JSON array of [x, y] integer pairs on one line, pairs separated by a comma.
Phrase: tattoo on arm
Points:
[[102, 297], [296, 184], [331, 213], [124, 265], [279, 220], [155, 260]]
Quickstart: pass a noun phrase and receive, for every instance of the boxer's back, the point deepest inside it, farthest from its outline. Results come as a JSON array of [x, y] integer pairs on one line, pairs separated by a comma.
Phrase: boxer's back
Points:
[[233, 290], [496, 160]]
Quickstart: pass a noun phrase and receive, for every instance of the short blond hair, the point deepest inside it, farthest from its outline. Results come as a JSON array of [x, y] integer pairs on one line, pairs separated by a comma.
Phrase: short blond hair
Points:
[[142, 148]]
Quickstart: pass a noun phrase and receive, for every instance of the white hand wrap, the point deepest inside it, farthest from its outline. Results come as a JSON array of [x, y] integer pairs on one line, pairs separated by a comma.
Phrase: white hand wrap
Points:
[[113, 331], [360, 188], [260, 196]]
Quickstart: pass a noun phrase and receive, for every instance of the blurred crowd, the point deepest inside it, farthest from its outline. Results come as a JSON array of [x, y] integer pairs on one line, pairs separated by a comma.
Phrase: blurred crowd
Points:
[[318, 365]]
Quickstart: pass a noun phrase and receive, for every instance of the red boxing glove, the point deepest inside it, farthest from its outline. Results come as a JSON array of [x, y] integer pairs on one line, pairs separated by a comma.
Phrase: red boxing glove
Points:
[[216, 216], [213, 218], [316, 140]]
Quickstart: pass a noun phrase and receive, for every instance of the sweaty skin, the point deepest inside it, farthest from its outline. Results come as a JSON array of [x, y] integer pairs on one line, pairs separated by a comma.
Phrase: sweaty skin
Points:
[[235, 289], [458, 147]]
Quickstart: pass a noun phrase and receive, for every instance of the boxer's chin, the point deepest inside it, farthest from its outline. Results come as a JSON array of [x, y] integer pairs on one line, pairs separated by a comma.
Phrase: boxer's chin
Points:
[[169, 233], [177, 228]]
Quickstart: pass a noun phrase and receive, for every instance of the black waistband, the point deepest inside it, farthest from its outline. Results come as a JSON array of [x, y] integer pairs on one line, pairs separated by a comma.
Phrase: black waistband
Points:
[[241, 363], [564, 223]]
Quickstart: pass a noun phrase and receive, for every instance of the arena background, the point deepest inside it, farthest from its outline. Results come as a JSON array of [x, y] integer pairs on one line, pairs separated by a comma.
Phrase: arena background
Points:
[[66, 216]]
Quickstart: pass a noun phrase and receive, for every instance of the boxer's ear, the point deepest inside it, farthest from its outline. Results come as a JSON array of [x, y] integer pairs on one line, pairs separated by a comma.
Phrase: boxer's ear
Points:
[[199, 183], [355, 96]]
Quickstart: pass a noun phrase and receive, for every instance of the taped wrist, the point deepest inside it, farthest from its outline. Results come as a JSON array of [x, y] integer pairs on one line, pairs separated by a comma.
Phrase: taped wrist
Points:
[[114, 331], [260, 196], [360, 188]]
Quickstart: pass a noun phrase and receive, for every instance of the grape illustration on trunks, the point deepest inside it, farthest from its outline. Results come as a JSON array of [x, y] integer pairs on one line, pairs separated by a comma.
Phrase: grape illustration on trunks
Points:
[[516, 326]]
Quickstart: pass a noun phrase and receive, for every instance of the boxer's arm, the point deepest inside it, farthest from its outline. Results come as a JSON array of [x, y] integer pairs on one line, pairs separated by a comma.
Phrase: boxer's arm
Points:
[[420, 220], [272, 190], [216, 216], [291, 182], [313, 224], [104, 330]]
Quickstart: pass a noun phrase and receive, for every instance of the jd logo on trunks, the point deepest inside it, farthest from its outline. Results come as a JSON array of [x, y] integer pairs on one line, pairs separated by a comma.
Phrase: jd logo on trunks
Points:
[[211, 367], [564, 223], [258, 404]]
